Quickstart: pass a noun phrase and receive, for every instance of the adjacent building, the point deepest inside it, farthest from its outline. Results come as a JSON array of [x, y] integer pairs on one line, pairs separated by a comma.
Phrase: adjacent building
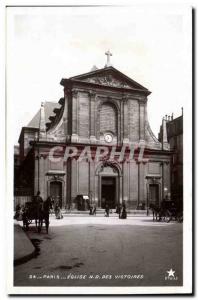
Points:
[[174, 127]]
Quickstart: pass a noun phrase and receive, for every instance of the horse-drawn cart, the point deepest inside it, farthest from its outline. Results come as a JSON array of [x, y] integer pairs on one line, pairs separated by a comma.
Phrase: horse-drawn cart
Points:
[[167, 211], [38, 212]]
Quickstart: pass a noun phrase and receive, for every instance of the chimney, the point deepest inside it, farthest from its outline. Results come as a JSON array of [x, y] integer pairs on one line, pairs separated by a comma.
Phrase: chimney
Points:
[[42, 127], [165, 144]]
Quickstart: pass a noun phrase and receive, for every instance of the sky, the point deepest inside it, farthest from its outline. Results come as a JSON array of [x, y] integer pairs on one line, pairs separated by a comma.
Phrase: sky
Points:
[[151, 45]]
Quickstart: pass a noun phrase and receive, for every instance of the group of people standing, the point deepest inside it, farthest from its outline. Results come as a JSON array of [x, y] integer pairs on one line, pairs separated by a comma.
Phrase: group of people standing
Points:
[[120, 210], [54, 206]]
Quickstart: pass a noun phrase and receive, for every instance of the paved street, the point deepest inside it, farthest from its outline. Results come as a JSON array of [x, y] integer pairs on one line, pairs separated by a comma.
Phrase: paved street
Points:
[[99, 251]]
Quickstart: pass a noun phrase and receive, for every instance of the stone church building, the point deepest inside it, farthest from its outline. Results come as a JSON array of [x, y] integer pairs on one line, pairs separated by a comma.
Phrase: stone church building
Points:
[[100, 108]]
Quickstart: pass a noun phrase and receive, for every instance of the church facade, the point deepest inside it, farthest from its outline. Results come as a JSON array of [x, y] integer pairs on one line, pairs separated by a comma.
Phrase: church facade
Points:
[[102, 109]]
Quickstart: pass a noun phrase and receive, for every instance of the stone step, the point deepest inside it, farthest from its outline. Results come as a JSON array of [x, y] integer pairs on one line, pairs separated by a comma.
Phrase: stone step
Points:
[[101, 211]]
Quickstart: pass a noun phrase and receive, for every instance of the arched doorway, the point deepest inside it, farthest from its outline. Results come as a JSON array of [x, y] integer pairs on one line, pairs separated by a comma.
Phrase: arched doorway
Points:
[[108, 185], [108, 191], [56, 192]]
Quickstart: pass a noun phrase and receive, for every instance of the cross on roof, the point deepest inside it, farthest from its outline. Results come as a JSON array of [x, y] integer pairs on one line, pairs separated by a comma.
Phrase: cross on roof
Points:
[[108, 54]]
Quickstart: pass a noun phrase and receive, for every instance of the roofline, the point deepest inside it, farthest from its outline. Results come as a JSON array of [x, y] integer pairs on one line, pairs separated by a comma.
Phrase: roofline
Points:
[[29, 128], [96, 85], [109, 68], [176, 119]]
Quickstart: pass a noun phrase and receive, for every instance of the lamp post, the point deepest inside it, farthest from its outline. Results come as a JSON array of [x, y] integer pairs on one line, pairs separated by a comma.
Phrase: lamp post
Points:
[[165, 192], [38, 156]]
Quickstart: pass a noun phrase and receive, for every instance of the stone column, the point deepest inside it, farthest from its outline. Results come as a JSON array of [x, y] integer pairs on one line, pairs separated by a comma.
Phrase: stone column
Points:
[[120, 197], [64, 189], [42, 177], [122, 121], [74, 137], [39, 175], [125, 182], [74, 180], [166, 178], [96, 190], [69, 184], [92, 181], [162, 174], [133, 184], [141, 183], [92, 128], [125, 121], [141, 120], [36, 173]]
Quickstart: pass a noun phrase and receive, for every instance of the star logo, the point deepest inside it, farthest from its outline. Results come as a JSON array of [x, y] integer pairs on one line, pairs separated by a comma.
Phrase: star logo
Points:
[[171, 273]]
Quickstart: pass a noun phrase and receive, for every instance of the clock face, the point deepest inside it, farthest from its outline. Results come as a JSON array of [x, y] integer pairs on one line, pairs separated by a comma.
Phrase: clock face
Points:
[[108, 138]]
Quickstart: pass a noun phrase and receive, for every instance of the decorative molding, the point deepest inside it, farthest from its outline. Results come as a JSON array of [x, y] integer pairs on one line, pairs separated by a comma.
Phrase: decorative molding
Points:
[[142, 101], [74, 93], [92, 94], [108, 80], [108, 99], [125, 99], [106, 163], [56, 173], [164, 162]]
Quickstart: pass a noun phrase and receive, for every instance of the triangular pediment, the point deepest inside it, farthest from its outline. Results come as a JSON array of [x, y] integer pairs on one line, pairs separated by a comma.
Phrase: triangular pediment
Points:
[[110, 77]]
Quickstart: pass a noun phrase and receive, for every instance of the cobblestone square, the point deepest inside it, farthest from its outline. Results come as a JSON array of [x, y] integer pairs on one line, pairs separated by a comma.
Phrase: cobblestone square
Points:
[[99, 251]]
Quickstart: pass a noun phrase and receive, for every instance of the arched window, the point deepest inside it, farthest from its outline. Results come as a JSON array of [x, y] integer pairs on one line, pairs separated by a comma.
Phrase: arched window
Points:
[[108, 118]]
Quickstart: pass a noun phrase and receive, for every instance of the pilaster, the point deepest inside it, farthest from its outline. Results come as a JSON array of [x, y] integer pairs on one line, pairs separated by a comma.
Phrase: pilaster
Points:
[[141, 183], [141, 120], [125, 121], [74, 137], [125, 182], [92, 122]]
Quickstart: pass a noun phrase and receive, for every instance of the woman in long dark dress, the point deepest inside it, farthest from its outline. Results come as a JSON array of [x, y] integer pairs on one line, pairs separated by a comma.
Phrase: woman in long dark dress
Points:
[[107, 210], [123, 213]]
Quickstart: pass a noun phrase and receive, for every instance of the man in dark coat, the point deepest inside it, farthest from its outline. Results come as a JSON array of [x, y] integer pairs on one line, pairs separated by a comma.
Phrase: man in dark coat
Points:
[[123, 213], [107, 210], [38, 199]]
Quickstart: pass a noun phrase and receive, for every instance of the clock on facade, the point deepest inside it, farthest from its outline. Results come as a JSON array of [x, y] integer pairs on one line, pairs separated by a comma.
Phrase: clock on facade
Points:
[[108, 137]]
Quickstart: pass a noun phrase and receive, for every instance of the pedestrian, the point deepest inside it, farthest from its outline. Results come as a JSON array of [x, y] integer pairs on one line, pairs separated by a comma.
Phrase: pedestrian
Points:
[[107, 210], [123, 213], [118, 209], [38, 205], [38, 200], [18, 213], [58, 213], [94, 209], [90, 209]]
